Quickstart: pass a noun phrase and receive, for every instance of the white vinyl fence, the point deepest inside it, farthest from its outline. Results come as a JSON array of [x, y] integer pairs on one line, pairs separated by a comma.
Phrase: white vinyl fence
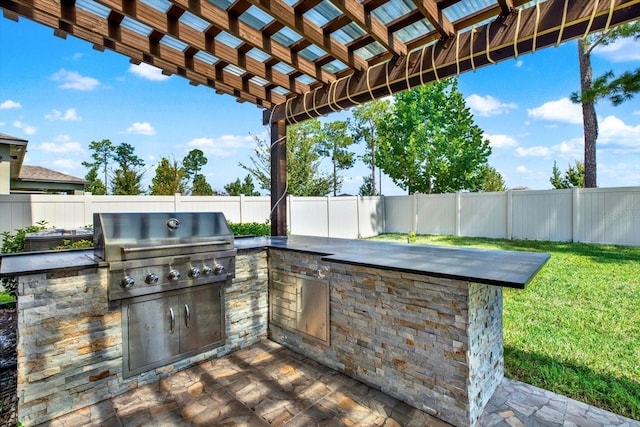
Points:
[[600, 215]]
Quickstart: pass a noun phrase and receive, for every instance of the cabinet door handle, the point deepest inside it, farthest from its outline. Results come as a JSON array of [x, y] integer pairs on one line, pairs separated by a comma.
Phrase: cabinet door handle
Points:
[[172, 325], [187, 315]]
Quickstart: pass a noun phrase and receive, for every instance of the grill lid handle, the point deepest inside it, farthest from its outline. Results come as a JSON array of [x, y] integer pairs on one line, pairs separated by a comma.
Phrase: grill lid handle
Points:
[[174, 246]]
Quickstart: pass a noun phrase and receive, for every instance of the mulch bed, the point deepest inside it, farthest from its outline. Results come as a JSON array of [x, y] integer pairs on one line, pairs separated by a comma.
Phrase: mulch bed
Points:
[[8, 374]]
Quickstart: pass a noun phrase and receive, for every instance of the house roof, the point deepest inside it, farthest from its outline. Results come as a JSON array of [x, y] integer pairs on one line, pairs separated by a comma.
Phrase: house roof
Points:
[[300, 59], [41, 174], [17, 150]]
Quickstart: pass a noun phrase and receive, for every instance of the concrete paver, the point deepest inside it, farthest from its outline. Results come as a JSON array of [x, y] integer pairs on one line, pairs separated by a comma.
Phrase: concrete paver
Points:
[[269, 385]]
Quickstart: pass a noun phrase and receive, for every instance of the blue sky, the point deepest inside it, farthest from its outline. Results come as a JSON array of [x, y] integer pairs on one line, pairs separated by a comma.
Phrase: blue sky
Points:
[[62, 94]]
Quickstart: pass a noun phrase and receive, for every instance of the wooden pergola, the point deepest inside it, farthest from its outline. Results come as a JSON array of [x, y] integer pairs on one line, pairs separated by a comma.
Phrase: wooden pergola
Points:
[[300, 59]]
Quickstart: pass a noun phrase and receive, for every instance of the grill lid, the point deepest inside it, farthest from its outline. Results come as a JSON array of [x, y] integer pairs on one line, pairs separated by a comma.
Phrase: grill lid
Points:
[[128, 236]]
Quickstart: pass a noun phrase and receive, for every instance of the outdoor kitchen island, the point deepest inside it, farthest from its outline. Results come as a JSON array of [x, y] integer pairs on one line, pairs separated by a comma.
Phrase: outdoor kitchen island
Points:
[[420, 323]]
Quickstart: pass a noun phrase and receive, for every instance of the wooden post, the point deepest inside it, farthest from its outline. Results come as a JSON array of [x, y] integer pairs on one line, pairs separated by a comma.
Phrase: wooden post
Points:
[[278, 178]]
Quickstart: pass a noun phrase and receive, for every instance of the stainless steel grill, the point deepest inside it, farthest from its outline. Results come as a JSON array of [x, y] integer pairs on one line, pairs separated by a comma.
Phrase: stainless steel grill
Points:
[[155, 252], [167, 272]]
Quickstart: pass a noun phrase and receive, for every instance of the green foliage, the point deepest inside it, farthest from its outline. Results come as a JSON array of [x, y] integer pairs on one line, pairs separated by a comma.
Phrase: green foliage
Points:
[[201, 187], [245, 187], [95, 186], [367, 187], [411, 238], [574, 329], [14, 243], [492, 180], [250, 229], [335, 145], [303, 161], [68, 244], [573, 176], [128, 176], [170, 179], [429, 142], [193, 162], [102, 154]]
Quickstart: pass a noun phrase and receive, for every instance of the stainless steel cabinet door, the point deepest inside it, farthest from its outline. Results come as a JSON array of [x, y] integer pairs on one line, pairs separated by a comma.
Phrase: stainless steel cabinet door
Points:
[[313, 308], [201, 317], [153, 331]]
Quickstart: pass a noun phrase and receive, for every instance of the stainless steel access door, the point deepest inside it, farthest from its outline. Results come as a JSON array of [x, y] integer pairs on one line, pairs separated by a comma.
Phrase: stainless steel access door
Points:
[[313, 308], [202, 318]]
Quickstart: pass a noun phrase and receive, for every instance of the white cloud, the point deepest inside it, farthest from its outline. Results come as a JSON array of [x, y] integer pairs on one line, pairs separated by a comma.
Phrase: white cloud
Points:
[[141, 128], [28, 129], [519, 63], [612, 130], [636, 113], [69, 115], [486, 106], [65, 164], [73, 80], [148, 72], [76, 56], [522, 169], [61, 144], [538, 151], [623, 50], [571, 149], [501, 141], [562, 110], [223, 146], [9, 104]]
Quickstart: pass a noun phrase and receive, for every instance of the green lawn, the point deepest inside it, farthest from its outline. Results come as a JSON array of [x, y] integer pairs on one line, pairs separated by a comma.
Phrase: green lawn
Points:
[[575, 329]]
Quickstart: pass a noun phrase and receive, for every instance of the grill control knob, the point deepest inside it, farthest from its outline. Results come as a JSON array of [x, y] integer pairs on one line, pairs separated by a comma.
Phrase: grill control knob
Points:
[[218, 269], [173, 276], [127, 282], [206, 270], [194, 273], [151, 279]]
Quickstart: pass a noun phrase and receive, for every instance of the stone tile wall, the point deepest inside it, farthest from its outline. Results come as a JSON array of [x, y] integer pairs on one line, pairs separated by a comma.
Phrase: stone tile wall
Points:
[[70, 343], [434, 343]]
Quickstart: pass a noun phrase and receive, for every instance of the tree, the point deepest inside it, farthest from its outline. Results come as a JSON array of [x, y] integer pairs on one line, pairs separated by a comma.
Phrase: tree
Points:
[[364, 129], [303, 161], [429, 142], [201, 187], [574, 176], [617, 90], [245, 187], [334, 145], [170, 179], [193, 162], [367, 189], [95, 186], [492, 180], [128, 177], [103, 152]]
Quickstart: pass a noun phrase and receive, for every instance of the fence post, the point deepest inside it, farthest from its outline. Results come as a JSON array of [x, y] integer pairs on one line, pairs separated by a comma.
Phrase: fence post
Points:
[[176, 201], [242, 200], [458, 213], [414, 220], [359, 235], [328, 215], [510, 214], [290, 202], [575, 214], [88, 208]]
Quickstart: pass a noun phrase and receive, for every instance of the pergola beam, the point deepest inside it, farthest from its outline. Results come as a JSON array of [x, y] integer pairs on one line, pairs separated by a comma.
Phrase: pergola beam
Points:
[[431, 11], [539, 27]]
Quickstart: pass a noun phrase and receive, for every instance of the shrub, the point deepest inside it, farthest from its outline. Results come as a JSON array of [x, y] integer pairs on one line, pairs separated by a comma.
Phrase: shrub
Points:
[[14, 243], [250, 229]]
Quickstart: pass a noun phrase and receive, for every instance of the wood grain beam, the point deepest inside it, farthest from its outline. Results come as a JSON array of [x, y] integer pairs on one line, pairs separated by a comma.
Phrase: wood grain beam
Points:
[[357, 13], [506, 6], [434, 15], [441, 60], [309, 31]]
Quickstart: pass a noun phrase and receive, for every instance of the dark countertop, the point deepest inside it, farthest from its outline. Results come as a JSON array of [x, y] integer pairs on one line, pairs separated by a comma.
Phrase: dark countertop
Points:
[[493, 267]]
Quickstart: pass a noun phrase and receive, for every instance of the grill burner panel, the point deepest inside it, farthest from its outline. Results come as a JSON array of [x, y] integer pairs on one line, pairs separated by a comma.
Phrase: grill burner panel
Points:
[[143, 277], [156, 252]]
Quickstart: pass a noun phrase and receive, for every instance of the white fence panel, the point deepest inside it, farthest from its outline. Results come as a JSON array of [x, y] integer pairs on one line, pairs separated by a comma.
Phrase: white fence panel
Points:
[[483, 215], [15, 212], [309, 216], [542, 215], [230, 205], [609, 215], [370, 216], [343, 217], [398, 214], [255, 209], [436, 214]]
